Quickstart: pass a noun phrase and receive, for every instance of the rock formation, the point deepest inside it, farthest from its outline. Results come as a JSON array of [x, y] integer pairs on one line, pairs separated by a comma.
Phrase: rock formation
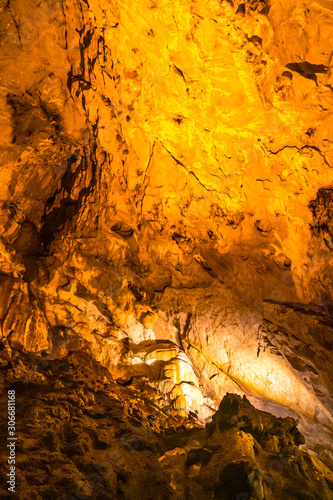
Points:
[[166, 239]]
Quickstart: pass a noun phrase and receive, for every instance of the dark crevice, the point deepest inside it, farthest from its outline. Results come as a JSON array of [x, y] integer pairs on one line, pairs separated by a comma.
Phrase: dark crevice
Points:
[[322, 213], [54, 220], [307, 70], [322, 312]]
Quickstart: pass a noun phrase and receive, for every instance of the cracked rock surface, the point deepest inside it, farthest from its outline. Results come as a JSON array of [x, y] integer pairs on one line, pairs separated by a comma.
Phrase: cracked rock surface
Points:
[[166, 214], [83, 436]]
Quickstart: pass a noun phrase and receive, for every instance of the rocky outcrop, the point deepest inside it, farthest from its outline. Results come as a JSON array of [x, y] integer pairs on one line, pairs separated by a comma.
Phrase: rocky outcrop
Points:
[[166, 203], [81, 435]]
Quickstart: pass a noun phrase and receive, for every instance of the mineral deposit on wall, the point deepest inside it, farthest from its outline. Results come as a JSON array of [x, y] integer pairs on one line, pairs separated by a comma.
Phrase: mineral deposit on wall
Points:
[[166, 207]]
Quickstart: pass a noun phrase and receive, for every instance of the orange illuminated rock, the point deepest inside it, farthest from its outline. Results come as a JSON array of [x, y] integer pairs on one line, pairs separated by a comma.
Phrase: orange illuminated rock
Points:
[[166, 200]]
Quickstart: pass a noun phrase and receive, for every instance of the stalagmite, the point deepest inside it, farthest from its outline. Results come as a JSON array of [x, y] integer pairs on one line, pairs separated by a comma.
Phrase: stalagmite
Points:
[[166, 245]]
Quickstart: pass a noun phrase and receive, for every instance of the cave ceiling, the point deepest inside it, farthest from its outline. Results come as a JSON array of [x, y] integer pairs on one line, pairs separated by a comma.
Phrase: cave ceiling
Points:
[[166, 173]]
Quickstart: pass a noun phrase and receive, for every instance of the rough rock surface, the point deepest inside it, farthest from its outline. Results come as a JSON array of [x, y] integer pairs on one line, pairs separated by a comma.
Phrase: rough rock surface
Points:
[[166, 202], [82, 436]]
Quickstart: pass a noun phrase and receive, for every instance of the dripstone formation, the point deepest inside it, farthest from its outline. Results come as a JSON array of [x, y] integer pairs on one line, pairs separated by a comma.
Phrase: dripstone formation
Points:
[[166, 239]]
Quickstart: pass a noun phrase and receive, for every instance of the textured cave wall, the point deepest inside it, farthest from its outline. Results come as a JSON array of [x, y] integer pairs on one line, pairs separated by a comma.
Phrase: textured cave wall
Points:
[[166, 199]]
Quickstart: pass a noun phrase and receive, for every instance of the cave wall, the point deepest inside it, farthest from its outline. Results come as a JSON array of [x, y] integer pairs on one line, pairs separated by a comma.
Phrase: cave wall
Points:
[[166, 199]]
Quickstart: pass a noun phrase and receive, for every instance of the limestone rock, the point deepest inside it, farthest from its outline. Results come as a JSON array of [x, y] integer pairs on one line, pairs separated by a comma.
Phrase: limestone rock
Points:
[[166, 228]]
